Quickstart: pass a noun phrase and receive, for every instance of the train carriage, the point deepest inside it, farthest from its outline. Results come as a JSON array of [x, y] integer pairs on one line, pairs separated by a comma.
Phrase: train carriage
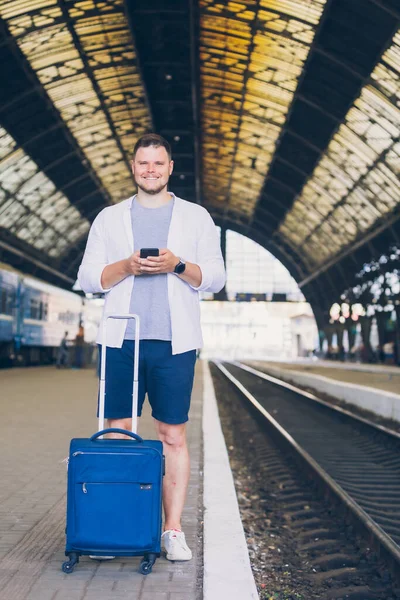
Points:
[[46, 313], [34, 316], [9, 283]]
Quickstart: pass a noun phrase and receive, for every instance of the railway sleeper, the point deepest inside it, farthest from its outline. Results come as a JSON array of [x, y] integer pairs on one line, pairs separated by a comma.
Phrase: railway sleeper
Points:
[[336, 561], [298, 500], [307, 523], [316, 546], [305, 513], [342, 574], [319, 534], [360, 592]]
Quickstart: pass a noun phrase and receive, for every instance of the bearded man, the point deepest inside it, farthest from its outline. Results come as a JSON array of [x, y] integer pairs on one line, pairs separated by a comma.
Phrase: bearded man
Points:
[[164, 291]]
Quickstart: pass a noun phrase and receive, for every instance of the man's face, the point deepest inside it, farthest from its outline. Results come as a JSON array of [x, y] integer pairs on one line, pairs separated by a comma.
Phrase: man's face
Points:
[[151, 169]]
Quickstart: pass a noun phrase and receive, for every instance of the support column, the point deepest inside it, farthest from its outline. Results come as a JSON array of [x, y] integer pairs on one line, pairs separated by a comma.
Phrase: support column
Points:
[[222, 294], [351, 329], [381, 318], [397, 338], [339, 335], [366, 353]]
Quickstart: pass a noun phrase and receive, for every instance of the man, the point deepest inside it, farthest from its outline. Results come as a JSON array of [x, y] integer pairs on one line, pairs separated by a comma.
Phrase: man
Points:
[[79, 345], [62, 356], [163, 291]]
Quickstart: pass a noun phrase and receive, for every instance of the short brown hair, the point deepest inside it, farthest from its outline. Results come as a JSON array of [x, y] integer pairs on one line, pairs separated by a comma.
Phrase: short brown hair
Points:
[[152, 139]]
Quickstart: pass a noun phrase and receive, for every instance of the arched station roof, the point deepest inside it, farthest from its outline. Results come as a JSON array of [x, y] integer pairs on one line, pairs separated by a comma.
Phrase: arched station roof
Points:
[[284, 118]]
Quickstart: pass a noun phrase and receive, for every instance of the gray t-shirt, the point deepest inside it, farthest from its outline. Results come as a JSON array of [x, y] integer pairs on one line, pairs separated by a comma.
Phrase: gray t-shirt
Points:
[[149, 297]]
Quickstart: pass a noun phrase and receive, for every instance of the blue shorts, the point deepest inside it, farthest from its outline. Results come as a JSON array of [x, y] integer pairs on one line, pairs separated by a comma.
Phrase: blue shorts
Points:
[[167, 379]]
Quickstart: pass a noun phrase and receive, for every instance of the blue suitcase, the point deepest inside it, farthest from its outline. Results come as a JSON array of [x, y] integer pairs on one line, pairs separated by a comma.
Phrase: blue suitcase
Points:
[[114, 492]]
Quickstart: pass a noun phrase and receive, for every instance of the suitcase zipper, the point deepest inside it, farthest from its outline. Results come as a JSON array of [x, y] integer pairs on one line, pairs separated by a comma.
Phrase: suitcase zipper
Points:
[[102, 453], [143, 486]]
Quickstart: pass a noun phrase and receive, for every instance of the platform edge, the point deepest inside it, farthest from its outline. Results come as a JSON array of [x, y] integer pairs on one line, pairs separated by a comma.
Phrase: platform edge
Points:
[[227, 569]]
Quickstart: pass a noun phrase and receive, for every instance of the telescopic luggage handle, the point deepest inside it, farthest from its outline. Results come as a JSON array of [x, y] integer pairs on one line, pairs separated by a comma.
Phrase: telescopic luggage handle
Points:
[[102, 392]]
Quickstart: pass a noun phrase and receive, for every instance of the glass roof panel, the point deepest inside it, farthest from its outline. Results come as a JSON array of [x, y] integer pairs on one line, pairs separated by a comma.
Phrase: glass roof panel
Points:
[[60, 246], [77, 232], [252, 54], [15, 168], [29, 202], [10, 213], [46, 239], [92, 79], [31, 229], [357, 180]]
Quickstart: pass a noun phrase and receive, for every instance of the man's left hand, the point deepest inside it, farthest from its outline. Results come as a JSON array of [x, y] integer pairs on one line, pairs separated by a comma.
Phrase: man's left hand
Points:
[[155, 265]]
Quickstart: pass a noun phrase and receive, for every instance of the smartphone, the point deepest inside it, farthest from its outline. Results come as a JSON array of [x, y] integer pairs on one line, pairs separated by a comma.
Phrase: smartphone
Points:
[[145, 252]]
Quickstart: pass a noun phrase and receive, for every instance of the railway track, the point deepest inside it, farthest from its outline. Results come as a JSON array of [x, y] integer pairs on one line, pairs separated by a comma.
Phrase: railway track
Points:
[[353, 463]]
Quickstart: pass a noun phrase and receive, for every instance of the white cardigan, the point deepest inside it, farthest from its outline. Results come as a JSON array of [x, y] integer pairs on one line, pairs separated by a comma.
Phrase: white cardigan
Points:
[[192, 236]]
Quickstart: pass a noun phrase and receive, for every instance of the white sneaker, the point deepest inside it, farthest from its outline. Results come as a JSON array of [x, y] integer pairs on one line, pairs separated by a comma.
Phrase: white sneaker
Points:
[[95, 557], [175, 545]]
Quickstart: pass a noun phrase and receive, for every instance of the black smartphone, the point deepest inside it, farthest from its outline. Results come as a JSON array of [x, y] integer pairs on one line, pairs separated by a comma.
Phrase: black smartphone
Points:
[[145, 252]]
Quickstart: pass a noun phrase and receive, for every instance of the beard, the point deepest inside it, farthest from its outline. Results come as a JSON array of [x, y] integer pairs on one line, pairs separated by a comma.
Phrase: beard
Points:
[[152, 191]]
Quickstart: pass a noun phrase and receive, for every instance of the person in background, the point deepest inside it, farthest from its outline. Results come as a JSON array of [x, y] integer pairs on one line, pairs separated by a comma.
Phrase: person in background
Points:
[[62, 356], [79, 345], [388, 353]]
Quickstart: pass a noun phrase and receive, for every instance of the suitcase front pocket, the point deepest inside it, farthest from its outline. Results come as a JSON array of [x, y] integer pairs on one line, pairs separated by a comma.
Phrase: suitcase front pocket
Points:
[[114, 515]]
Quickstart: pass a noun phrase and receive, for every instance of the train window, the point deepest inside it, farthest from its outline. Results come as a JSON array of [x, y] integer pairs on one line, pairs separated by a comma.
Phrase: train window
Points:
[[43, 310], [38, 309], [11, 300], [34, 308], [3, 301], [7, 301]]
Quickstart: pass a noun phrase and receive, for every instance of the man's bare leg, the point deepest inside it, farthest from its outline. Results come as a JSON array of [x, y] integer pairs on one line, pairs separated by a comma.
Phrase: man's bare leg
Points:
[[177, 471]]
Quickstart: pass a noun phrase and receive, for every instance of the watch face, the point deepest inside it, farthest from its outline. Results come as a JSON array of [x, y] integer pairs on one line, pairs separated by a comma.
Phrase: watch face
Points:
[[180, 267]]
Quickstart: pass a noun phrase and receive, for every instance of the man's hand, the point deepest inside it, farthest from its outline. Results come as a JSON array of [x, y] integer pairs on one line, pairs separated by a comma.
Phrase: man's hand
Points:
[[133, 264], [116, 272], [166, 263], [155, 265]]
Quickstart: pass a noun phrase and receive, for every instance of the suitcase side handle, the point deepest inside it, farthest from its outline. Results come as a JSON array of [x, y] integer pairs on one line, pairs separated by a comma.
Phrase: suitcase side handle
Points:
[[135, 436]]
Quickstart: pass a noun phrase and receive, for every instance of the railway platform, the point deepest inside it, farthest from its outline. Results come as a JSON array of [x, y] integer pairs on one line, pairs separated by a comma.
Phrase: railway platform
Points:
[[375, 388], [42, 409]]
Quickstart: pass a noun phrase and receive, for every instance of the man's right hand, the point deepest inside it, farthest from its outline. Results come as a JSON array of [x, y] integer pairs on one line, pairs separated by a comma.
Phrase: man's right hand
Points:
[[133, 264], [116, 272]]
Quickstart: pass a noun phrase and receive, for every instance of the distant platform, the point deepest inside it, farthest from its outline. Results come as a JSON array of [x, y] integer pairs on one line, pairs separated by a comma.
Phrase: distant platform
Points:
[[372, 387], [382, 377]]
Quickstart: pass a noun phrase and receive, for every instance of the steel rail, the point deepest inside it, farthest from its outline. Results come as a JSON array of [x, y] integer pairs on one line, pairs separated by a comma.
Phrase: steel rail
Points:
[[327, 487]]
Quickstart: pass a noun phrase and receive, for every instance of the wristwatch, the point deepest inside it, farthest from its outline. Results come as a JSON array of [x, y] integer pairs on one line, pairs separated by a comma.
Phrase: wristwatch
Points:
[[180, 267]]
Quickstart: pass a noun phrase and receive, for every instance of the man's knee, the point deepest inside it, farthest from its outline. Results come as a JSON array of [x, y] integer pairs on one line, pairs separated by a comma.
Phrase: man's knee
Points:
[[172, 435]]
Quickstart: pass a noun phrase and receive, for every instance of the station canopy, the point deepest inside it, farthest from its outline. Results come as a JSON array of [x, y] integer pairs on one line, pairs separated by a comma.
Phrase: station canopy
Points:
[[283, 117]]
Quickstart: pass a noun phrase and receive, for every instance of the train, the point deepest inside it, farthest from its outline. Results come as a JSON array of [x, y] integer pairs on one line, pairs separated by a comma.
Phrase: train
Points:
[[35, 315]]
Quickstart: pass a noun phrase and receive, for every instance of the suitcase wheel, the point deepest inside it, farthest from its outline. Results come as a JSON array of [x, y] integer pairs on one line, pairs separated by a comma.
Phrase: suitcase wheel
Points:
[[146, 566], [69, 565]]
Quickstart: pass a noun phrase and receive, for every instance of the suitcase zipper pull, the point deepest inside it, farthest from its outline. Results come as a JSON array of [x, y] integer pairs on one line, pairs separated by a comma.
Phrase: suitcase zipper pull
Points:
[[84, 490]]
